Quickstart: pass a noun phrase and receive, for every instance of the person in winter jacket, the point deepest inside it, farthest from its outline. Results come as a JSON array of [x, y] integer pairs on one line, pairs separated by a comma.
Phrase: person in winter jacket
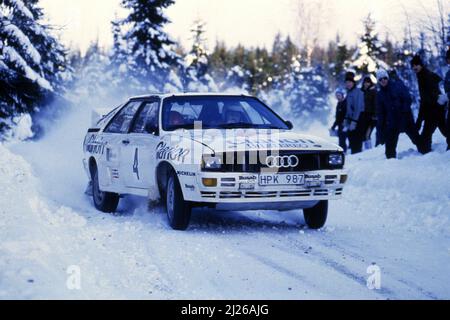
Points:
[[341, 110], [431, 113], [447, 91], [394, 113], [369, 116], [355, 107]]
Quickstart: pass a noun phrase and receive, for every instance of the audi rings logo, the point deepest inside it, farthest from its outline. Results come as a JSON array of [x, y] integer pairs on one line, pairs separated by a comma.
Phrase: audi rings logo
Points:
[[282, 161]]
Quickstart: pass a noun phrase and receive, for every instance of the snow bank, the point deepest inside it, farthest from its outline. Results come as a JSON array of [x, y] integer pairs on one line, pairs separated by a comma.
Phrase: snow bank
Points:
[[31, 255], [411, 193]]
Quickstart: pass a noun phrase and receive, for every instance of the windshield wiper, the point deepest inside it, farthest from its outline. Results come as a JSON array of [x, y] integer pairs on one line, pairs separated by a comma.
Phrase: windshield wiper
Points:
[[238, 125], [189, 126], [246, 125]]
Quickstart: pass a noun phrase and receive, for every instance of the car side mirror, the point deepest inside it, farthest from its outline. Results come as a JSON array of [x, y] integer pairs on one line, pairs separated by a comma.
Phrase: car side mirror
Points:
[[152, 129], [289, 125]]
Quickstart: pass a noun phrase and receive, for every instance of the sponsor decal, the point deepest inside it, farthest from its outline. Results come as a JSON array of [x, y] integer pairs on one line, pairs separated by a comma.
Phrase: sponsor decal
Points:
[[249, 178], [313, 176], [246, 186], [96, 145], [165, 152], [190, 187], [186, 173], [274, 143]]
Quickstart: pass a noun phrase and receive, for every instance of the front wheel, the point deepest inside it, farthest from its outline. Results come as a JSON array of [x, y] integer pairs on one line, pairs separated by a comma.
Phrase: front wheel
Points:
[[316, 217], [178, 210], [103, 201]]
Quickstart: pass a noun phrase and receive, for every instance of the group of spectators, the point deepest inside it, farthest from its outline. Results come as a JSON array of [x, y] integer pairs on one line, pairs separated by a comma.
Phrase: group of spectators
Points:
[[386, 107]]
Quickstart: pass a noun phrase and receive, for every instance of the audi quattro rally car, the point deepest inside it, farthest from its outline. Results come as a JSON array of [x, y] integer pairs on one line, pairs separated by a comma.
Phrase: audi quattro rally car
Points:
[[226, 152]]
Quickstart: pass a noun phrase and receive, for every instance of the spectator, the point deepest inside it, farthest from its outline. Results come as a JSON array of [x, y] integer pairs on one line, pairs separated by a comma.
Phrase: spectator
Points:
[[431, 113], [394, 113], [341, 110], [369, 116], [447, 91], [355, 107]]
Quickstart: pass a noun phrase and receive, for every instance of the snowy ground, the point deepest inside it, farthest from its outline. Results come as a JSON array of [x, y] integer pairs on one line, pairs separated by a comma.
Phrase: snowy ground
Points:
[[395, 214]]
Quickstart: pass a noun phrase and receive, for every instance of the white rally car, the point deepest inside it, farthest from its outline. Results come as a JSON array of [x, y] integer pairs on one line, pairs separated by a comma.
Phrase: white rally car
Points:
[[228, 152]]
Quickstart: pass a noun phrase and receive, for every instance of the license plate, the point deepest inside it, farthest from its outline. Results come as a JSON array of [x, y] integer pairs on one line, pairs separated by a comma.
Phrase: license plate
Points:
[[281, 179]]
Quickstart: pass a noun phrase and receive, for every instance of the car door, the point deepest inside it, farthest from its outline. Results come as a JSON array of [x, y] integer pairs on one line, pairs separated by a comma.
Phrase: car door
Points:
[[114, 135], [138, 153]]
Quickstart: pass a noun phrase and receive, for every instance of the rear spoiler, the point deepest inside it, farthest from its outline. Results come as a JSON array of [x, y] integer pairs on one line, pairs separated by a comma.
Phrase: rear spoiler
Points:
[[97, 115]]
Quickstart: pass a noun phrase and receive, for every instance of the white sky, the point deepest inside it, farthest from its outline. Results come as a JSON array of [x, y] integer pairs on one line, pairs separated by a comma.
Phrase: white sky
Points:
[[250, 22]]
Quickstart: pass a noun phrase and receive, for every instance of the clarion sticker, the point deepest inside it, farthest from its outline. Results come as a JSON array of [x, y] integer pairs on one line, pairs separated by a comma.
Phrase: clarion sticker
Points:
[[165, 152]]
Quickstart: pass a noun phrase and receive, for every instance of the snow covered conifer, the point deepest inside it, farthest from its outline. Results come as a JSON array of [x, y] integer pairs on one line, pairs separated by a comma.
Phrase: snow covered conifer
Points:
[[197, 62], [306, 92], [32, 62], [366, 59], [150, 51]]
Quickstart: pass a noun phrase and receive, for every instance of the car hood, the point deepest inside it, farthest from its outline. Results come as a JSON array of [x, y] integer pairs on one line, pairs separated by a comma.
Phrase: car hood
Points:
[[235, 140]]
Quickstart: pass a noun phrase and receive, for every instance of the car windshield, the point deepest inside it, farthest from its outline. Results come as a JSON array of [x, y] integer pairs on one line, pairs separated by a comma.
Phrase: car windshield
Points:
[[218, 112]]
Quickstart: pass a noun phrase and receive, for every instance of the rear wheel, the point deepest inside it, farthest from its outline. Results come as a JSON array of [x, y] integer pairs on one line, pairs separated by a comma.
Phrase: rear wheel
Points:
[[178, 210], [316, 217], [103, 201]]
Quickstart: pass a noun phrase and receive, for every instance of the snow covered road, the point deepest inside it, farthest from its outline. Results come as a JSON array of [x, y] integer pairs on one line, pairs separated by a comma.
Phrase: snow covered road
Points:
[[395, 214]]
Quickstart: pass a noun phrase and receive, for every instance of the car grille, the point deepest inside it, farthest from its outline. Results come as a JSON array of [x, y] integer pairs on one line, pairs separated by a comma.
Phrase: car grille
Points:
[[255, 162], [272, 194]]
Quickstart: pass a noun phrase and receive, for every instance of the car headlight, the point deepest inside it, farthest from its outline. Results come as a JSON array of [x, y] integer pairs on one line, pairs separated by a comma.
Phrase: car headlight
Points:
[[211, 163], [336, 159]]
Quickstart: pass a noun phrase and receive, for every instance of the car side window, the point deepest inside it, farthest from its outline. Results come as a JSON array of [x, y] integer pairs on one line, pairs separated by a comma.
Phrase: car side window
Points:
[[147, 119], [122, 121]]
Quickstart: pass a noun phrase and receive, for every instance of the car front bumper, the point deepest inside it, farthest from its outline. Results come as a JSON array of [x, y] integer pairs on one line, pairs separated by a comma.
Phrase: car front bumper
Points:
[[244, 192]]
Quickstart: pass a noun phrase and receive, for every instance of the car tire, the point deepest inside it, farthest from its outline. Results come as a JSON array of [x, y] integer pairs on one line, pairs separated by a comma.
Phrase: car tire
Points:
[[316, 217], [104, 201], [178, 210]]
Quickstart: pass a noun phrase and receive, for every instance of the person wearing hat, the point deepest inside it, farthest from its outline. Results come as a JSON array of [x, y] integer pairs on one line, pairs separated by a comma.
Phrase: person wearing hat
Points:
[[394, 113], [355, 107], [369, 116], [341, 110], [431, 113], [447, 91]]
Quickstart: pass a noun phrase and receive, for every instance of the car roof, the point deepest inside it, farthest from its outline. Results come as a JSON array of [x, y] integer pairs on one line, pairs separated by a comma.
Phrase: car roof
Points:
[[189, 94]]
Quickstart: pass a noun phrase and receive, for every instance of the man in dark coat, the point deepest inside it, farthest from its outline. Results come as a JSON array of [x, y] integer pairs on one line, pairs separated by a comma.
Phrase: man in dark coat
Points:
[[394, 113], [447, 91], [369, 116], [430, 113], [355, 107], [341, 110]]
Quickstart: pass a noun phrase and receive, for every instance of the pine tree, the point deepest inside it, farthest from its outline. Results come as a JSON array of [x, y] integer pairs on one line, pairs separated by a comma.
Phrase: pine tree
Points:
[[220, 61], [366, 59], [307, 91], [342, 56], [404, 72], [238, 76], [448, 32], [150, 52], [197, 62], [32, 62]]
